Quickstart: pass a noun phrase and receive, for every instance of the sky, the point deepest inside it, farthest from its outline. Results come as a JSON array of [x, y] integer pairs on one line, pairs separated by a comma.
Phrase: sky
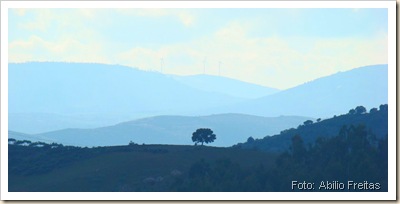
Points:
[[279, 48]]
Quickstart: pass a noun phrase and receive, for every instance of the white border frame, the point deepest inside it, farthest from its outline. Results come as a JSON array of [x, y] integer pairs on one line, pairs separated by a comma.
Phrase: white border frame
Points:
[[390, 195]]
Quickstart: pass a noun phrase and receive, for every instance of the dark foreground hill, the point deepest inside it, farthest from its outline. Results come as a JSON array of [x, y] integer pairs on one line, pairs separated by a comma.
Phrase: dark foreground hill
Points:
[[376, 123], [120, 168], [355, 158], [351, 161]]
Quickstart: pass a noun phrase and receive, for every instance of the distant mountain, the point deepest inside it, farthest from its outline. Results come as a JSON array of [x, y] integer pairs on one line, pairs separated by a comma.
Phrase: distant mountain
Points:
[[324, 97], [376, 123], [229, 128], [226, 86], [82, 88], [34, 123], [46, 96], [51, 96], [32, 138]]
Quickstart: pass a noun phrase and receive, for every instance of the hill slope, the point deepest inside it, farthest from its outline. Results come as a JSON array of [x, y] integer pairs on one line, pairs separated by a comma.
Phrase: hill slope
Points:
[[113, 169], [50, 96], [229, 128], [68, 88], [324, 97], [226, 86], [376, 123]]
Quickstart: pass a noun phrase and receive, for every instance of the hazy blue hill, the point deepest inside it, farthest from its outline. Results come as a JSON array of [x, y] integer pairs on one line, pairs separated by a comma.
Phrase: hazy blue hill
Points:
[[226, 86], [51, 96], [376, 123], [85, 95], [32, 138], [34, 123], [325, 97], [82, 88], [229, 128]]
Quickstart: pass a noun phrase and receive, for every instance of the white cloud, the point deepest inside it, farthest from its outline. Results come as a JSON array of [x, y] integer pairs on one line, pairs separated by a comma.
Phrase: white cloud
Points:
[[272, 61], [20, 11], [184, 16], [41, 22], [88, 13], [38, 49]]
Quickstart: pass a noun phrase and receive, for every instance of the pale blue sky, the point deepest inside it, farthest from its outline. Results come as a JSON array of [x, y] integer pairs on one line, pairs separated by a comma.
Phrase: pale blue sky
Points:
[[280, 48]]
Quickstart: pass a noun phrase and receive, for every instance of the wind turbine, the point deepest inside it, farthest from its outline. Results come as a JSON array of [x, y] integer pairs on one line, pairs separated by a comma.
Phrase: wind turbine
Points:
[[204, 65], [219, 68], [162, 64]]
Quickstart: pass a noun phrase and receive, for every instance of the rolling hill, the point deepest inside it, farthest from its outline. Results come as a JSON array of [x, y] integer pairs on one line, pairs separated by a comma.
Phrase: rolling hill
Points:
[[226, 86], [118, 168], [376, 124], [324, 97], [46, 96], [352, 155], [229, 128], [79, 88]]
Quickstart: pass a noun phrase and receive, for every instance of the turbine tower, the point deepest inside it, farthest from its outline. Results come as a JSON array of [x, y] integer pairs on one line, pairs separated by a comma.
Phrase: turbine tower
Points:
[[204, 65], [219, 68], [162, 64]]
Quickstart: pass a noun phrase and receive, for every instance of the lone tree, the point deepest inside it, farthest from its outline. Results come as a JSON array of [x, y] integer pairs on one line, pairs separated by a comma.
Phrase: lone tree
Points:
[[203, 135]]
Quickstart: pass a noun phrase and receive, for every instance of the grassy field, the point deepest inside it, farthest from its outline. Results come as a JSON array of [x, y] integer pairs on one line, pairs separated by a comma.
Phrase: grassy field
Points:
[[130, 168]]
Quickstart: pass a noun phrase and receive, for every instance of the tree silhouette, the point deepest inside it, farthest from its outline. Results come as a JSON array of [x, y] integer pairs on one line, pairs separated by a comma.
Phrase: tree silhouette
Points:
[[352, 111], [373, 110], [308, 122], [250, 139], [383, 107], [297, 147], [360, 110], [203, 135]]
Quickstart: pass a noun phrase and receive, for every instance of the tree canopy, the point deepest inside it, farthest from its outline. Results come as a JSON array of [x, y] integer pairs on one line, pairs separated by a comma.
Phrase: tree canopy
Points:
[[360, 110], [308, 122], [203, 135]]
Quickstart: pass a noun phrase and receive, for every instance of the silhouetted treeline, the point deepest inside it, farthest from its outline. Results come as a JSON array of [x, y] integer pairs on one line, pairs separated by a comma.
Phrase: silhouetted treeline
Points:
[[353, 156], [357, 152], [31, 158], [376, 122]]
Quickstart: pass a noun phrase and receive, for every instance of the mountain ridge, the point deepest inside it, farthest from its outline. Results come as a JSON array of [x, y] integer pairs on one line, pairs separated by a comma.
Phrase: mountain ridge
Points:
[[225, 85], [229, 128], [119, 97], [376, 123], [324, 97], [86, 95]]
